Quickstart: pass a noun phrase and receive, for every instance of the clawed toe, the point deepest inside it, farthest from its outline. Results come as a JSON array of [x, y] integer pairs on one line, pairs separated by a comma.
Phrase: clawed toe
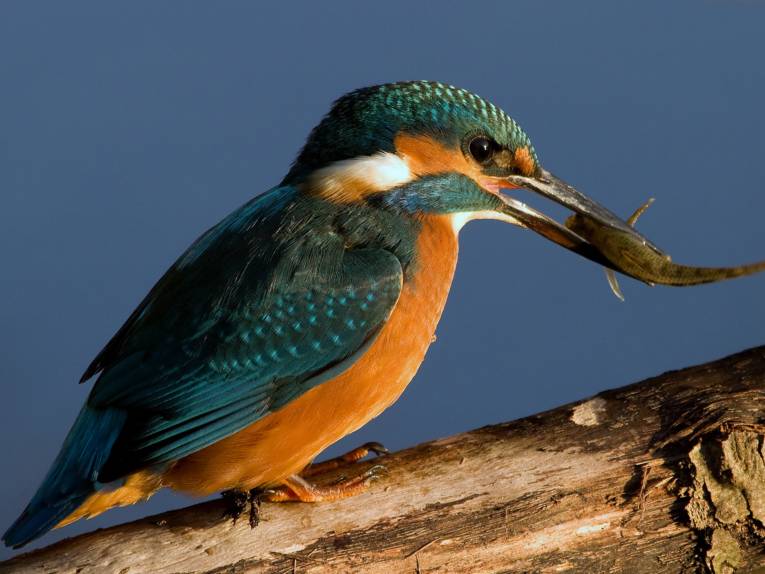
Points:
[[348, 458], [376, 448], [375, 472], [368, 476], [297, 488]]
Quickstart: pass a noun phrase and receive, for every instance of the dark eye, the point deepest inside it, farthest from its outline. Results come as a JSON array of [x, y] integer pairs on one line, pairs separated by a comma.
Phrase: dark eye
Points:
[[482, 149]]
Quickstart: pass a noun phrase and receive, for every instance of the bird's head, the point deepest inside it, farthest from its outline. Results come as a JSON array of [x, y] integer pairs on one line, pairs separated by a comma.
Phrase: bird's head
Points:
[[430, 148]]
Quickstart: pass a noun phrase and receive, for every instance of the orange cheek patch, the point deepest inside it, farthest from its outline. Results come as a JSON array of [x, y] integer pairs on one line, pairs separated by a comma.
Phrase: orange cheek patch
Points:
[[524, 161], [425, 156]]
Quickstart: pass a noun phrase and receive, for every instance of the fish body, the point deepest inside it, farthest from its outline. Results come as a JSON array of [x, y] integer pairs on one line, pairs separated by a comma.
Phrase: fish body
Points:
[[631, 257]]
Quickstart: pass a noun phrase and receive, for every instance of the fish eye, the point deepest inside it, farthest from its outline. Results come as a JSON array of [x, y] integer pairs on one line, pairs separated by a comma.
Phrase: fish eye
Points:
[[482, 149]]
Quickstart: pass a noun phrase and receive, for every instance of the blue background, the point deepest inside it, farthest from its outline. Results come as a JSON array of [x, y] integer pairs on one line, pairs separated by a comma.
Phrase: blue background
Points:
[[126, 129]]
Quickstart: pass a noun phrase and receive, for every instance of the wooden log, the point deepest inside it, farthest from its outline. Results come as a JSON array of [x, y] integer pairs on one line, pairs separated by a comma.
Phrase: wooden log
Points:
[[663, 476]]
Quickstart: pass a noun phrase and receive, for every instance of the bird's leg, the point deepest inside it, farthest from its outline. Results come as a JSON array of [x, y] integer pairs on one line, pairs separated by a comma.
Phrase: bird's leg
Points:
[[296, 488], [237, 502], [349, 457]]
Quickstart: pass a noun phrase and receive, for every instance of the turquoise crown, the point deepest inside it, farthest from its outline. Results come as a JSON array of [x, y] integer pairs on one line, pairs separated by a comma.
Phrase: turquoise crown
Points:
[[366, 121]]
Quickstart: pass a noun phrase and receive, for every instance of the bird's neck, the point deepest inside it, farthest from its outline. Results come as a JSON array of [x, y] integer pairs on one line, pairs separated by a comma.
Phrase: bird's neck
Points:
[[436, 251]]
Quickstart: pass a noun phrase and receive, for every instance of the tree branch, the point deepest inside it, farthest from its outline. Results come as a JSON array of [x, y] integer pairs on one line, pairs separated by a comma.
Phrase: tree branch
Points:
[[666, 475]]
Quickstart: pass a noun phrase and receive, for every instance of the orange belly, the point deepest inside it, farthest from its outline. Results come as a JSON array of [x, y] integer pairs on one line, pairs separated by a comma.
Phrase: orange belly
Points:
[[284, 442]]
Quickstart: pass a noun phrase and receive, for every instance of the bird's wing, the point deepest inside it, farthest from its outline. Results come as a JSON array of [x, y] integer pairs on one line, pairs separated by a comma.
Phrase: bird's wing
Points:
[[243, 323]]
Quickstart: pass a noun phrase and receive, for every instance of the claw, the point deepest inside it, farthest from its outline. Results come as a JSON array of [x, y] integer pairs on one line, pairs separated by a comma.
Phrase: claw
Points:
[[375, 472], [376, 448]]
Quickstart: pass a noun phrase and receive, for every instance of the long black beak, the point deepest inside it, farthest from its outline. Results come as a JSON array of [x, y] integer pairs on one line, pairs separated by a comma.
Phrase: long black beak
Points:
[[546, 184]]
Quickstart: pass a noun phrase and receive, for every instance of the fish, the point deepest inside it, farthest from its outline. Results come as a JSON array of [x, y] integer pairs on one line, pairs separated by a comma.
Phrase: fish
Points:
[[629, 256]]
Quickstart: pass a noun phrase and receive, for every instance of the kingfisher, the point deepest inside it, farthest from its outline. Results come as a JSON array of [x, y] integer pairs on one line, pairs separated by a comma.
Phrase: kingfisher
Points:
[[303, 314]]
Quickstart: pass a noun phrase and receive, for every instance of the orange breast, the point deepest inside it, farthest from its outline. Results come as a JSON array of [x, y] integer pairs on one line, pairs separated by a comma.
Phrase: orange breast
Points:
[[283, 443]]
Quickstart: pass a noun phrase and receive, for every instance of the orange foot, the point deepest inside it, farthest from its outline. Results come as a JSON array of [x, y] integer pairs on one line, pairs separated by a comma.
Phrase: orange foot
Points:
[[349, 457], [296, 488]]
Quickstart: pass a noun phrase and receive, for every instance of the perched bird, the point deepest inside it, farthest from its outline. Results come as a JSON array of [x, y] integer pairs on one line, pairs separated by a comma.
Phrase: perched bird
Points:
[[303, 314]]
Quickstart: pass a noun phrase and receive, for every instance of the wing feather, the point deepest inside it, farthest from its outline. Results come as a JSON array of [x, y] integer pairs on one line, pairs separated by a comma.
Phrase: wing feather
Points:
[[252, 316]]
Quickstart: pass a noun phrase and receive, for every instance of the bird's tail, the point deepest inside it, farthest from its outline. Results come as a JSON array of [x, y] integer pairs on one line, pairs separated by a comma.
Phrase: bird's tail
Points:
[[73, 476]]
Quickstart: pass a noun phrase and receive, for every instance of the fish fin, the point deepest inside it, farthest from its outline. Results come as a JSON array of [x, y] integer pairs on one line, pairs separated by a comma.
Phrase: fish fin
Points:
[[610, 274], [632, 220], [614, 284]]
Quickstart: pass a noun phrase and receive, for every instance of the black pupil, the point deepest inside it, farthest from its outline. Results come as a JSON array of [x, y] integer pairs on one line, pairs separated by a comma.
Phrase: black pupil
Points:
[[481, 149]]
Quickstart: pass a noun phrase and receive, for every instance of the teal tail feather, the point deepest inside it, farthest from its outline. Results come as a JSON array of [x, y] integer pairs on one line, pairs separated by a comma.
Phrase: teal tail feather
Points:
[[72, 477]]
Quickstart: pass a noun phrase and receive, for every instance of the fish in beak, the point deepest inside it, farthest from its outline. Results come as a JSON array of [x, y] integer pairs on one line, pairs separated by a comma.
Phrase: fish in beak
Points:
[[596, 233], [554, 188]]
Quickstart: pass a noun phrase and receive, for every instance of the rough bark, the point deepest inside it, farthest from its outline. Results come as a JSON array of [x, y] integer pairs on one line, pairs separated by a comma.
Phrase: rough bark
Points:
[[663, 476]]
